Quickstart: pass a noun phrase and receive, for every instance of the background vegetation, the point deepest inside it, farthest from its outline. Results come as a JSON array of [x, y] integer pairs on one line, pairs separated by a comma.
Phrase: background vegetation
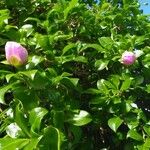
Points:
[[74, 94]]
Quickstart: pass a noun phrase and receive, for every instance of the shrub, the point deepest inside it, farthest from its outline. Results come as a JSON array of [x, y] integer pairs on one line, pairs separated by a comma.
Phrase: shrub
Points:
[[74, 92]]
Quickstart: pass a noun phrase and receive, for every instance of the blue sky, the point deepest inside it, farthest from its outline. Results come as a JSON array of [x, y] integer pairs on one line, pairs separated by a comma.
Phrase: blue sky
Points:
[[146, 8]]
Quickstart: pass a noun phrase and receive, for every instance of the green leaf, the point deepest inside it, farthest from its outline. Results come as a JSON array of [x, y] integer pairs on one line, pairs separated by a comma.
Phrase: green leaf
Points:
[[114, 123], [19, 117], [101, 64], [4, 15], [36, 60], [12, 144], [58, 119], [33, 142], [131, 119], [148, 88], [138, 53], [33, 19], [40, 81], [80, 59], [94, 46], [126, 84], [80, 119], [138, 80], [106, 42], [147, 129], [105, 6], [92, 91], [26, 30], [51, 72], [3, 90], [70, 82], [101, 85], [28, 97], [13, 130], [51, 139], [68, 48], [2, 41], [146, 144], [12, 33], [10, 76], [35, 117], [115, 80], [72, 58], [77, 133], [98, 100], [62, 37], [134, 135], [30, 74], [72, 4], [146, 61], [43, 41]]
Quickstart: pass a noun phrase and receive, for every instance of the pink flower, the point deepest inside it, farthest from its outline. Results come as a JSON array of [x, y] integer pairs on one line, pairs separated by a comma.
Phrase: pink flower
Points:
[[16, 54], [128, 58]]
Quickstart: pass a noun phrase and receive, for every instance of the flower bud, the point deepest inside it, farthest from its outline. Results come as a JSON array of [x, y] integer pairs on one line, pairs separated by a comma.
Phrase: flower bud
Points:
[[16, 54], [128, 58]]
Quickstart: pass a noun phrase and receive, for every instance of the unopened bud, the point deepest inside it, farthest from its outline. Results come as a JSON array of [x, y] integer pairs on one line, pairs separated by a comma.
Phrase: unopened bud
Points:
[[16, 54], [128, 58]]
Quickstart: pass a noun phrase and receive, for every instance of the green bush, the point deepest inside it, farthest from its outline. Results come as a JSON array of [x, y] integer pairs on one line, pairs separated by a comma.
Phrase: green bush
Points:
[[74, 92]]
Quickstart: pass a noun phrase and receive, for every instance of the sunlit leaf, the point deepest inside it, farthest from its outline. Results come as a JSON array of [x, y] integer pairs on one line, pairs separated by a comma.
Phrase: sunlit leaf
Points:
[[20, 119], [134, 135], [12, 144], [126, 84], [35, 118], [81, 118], [114, 123], [101, 64]]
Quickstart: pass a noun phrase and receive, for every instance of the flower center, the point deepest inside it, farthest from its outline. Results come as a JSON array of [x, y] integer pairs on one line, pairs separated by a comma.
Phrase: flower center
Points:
[[15, 61]]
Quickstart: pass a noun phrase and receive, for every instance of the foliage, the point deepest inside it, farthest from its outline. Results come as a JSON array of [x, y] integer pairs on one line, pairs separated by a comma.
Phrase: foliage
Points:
[[74, 93]]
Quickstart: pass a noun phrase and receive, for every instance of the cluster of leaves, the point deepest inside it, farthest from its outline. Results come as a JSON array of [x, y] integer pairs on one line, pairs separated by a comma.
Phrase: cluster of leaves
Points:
[[74, 93]]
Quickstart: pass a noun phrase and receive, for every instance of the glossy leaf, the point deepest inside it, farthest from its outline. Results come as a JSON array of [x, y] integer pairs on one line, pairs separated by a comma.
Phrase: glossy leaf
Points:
[[31, 74], [101, 64], [26, 144], [28, 98], [3, 90], [20, 118], [13, 143], [81, 118], [13, 130], [35, 118], [101, 85], [126, 84], [40, 81], [68, 47], [51, 143], [74, 92], [71, 6], [94, 46], [70, 82], [114, 123], [134, 135], [147, 129]]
